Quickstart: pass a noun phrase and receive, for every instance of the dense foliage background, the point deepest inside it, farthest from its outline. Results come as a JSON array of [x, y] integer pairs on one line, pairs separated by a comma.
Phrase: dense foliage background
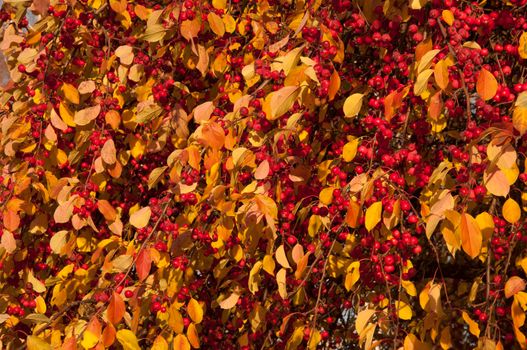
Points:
[[286, 174]]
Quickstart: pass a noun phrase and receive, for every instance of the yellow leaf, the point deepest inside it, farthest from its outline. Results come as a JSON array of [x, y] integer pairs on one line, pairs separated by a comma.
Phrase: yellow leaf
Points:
[[230, 23], [41, 305], [352, 276], [511, 211], [412, 343], [514, 285], [140, 218], [486, 85], [281, 257], [216, 24], [473, 327], [403, 310], [181, 342], [352, 105], [36, 343], [441, 74], [417, 4], [192, 335], [219, 4], [190, 29], [471, 238], [195, 311], [281, 281], [363, 317], [89, 340], [448, 17], [175, 320], [373, 215], [486, 224], [519, 119], [522, 46], [159, 344], [421, 83], [71, 93], [314, 339], [282, 100], [409, 287], [349, 151], [426, 61], [326, 195], [269, 264], [66, 114], [291, 59]]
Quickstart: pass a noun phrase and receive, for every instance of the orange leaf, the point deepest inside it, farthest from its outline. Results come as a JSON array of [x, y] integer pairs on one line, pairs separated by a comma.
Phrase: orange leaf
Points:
[[230, 301], [181, 342], [192, 335], [471, 237], [195, 311], [441, 74], [190, 29], [143, 264], [107, 210], [486, 85], [108, 335], [140, 218], [115, 311], [334, 84]]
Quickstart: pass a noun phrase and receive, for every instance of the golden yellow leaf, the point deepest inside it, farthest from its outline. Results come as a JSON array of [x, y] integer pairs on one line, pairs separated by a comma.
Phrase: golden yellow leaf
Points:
[[269, 264], [127, 339], [519, 119], [66, 115], [352, 105], [216, 24], [175, 320], [159, 344], [349, 151], [195, 311], [511, 211], [181, 342], [71, 93], [471, 237], [352, 275], [403, 310], [441, 74], [219, 4], [514, 285], [326, 195], [486, 224], [448, 17], [421, 83], [473, 327], [522, 46], [486, 85], [412, 343], [281, 281], [373, 215], [36, 343], [282, 100], [291, 59], [281, 257], [426, 61], [363, 317], [445, 340], [230, 23], [140, 218]]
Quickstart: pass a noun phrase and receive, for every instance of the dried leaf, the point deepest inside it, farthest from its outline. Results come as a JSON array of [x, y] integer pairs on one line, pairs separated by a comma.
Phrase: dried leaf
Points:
[[85, 116]]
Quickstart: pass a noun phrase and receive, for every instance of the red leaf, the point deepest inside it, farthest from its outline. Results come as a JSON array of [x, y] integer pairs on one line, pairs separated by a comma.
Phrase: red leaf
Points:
[[116, 309], [143, 264]]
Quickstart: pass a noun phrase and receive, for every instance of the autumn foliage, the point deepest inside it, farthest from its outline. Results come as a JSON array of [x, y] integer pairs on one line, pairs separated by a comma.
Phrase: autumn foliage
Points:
[[272, 174]]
